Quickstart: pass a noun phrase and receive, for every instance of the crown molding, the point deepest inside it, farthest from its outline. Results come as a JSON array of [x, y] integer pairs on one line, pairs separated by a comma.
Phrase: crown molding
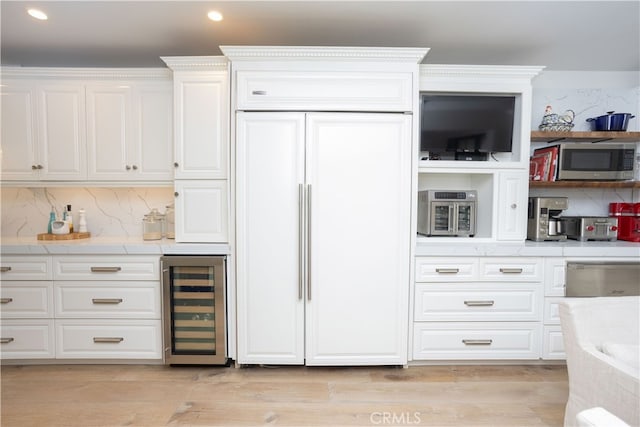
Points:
[[480, 71], [86, 73], [342, 54], [196, 63]]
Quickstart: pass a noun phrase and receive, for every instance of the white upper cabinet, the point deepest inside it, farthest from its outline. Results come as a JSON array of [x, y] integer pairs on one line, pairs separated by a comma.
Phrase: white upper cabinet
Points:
[[109, 125], [129, 131], [512, 205], [202, 122], [43, 131], [19, 139], [97, 125]]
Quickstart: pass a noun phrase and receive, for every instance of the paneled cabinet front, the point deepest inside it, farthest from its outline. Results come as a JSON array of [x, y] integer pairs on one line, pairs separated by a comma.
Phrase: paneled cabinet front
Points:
[[322, 250], [43, 130], [129, 131], [478, 308], [61, 125]]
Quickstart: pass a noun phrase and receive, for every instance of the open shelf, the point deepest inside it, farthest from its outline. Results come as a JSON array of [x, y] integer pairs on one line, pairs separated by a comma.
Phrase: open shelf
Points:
[[541, 136], [584, 184]]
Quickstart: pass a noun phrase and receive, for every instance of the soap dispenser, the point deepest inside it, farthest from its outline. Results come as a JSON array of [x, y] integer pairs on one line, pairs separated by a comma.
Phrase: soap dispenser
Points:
[[52, 218]]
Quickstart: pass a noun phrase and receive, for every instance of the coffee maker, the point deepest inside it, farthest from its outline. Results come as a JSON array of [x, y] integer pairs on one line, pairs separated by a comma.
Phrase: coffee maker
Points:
[[543, 222]]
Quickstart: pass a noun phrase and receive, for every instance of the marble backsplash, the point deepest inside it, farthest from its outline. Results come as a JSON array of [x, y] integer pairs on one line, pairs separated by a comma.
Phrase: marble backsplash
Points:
[[110, 212]]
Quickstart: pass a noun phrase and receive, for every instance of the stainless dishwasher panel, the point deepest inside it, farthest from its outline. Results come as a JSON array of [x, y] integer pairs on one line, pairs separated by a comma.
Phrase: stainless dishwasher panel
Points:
[[602, 279]]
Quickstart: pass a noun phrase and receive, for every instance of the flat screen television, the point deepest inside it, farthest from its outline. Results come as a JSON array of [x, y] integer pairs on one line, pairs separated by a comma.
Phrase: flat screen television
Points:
[[465, 126]]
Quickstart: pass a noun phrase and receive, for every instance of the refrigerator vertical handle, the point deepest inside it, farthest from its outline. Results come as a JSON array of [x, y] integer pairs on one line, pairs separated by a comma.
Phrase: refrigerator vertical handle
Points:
[[309, 242], [301, 249]]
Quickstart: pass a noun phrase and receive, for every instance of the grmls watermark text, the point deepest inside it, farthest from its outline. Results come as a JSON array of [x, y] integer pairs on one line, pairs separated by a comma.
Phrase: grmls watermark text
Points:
[[395, 418]]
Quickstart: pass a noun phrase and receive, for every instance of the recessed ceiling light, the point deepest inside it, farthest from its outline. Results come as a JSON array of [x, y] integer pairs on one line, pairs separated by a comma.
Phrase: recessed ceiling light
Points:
[[38, 14], [214, 15]]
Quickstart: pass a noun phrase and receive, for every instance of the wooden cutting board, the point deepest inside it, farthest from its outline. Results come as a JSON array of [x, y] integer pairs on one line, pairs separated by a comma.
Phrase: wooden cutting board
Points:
[[70, 236]]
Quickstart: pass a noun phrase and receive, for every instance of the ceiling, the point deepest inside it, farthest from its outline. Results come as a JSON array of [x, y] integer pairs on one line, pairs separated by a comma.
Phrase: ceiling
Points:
[[561, 34]]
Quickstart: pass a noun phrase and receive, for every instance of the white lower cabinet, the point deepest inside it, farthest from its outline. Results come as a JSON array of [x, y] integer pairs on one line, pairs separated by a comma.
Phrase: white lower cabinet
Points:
[[476, 340], [107, 307], [27, 339], [108, 339], [81, 307], [478, 308]]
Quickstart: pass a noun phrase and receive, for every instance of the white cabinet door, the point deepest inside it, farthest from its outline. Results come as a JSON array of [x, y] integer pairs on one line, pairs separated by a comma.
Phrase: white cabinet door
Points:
[[130, 131], [62, 138], [270, 159], [201, 117], [512, 205], [152, 148], [358, 171], [329, 239], [109, 131], [201, 209], [19, 137]]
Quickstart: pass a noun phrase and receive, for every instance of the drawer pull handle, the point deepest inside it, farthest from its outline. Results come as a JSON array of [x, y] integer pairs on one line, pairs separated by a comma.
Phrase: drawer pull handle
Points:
[[479, 303], [4, 269], [5, 300], [105, 269], [258, 92], [510, 270], [447, 270], [112, 340], [6, 340], [106, 300], [477, 342]]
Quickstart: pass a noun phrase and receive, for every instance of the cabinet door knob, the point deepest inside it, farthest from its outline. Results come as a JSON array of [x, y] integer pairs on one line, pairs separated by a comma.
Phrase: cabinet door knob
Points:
[[40, 167], [175, 164], [128, 167], [513, 206], [176, 194], [135, 167], [34, 167]]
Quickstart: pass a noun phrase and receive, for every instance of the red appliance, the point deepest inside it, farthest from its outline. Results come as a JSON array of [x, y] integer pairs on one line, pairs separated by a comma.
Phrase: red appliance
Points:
[[628, 215]]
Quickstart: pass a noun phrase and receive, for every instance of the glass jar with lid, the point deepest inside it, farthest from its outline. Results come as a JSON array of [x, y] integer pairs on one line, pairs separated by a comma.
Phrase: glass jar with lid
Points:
[[152, 225], [170, 221]]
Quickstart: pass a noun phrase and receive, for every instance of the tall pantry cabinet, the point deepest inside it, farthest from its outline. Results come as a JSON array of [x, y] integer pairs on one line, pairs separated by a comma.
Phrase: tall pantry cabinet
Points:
[[323, 205]]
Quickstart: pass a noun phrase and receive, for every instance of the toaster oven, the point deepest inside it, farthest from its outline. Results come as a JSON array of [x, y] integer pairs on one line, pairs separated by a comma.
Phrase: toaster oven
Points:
[[447, 213]]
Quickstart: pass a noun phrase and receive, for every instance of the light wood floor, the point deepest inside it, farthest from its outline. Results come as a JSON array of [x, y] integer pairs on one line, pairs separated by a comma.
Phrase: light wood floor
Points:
[[142, 395]]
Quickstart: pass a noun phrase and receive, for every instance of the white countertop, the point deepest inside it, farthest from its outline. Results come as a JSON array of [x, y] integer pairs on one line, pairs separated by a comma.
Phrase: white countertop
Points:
[[569, 248], [107, 245]]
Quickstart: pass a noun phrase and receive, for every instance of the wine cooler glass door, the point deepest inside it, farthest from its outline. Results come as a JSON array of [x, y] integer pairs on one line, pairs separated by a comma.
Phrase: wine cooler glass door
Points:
[[194, 310]]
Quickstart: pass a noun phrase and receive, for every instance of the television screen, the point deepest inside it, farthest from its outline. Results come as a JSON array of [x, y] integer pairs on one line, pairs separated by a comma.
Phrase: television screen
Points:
[[466, 123]]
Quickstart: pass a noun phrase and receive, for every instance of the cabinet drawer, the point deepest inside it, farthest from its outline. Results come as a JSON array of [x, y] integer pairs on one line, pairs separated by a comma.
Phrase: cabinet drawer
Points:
[[27, 339], [511, 269], [479, 340], [446, 269], [466, 302], [104, 339], [26, 300], [553, 343], [324, 91], [139, 300], [129, 267], [25, 268]]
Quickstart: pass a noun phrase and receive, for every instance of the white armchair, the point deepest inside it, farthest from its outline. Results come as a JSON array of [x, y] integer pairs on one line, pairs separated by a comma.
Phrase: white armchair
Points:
[[601, 338]]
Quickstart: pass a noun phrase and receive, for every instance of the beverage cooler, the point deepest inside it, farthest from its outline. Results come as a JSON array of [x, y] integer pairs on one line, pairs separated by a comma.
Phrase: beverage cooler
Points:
[[194, 324]]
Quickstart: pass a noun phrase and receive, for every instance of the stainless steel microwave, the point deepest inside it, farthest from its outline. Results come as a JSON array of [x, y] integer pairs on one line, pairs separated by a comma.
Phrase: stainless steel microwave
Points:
[[603, 161]]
